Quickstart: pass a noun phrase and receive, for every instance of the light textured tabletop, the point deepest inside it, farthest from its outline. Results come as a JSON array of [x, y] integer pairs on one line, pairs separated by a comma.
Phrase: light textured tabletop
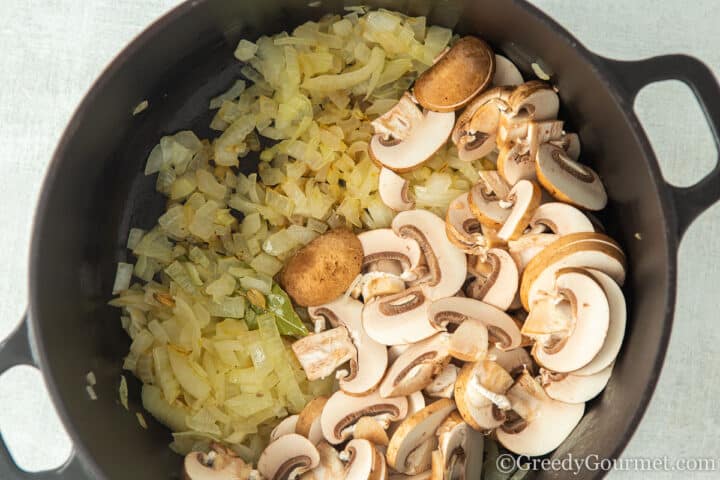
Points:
[[53, 50]]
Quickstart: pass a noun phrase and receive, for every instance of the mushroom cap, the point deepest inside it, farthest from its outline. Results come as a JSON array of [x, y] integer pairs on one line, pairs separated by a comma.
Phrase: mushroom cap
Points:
[[583, 250], [506, 74], [568, 180], [394, 191], [525, 196], [424, 140], [447, 265], [323, 270], [501, 284], [308, 424], [525, 248], [382, 244], [414, 431], [560, 218], [536, 99], [398, 319], [616, 329], [514, 361], [586, 314], [457, 77], [287, 425], [462, 228], [469, 342], [363, 460], [478, 389], [291, 453], [223, 466], [514, 163], [502, 329], [368, 368], [496, 96], [547, 423], [342, 411], [571, 388], [416, 367]]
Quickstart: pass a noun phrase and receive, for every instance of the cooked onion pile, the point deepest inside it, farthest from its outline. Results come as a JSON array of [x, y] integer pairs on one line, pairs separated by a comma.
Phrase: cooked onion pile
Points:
[[448, 300]]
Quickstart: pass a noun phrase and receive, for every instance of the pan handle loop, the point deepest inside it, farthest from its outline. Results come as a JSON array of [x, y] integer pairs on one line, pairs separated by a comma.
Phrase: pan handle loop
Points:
[[634, 75], [14, 351]]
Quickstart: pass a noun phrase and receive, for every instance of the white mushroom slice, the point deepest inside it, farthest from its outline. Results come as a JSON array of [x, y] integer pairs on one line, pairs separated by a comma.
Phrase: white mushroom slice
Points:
[[584, 250], [416, 402], [512, 128], [495, 97], [543, 423], [342, 411], [477, 139], [400, 121], [415, 368], [571, 324], [459, 453], [321, 353], [398, 319], [394, 191], [525, 248], [287, 457], [568, 180], [506, 73], [542, 132], [502, 329], [525, 198], [364, 461], [559, 218], [368, 368], [443, 386], [396, 350], [423, 141], [287, 425], [500, 285], [219, 464], [308, 424], [370, 429], [382, 245], [616, 329], [571, 388], [485, 205], [330, 466], [469, 342], [514, 163], [378, 284], [514, 361], [447, 265], [411, 445], [480, 394], [570, 142], [463, 229], [535, 99]]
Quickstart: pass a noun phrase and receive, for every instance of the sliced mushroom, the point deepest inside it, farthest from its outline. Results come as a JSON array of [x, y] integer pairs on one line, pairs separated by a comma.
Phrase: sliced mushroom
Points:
[[535, 99], [572, 388], [571, 324], [502, 329], [287, 425], [379, 284], [568, 180], [399, 122], [506, 73], [401, 476], [394, 191], [382, 245], [469, 342], [287, 457], [485, 201], [480, 394], [525, 248], [459, 453], [462, 228], [570, 142], [218, 464], [398, 319], [514, 361], [447, 265], [457, 77], [415, 368], [342, 411], [499, 286], [616, 329], [584, 250], [443, 386], [411, 445], [368, 368], [364, 461], [370, 429], [514, 163], [423, 141], [542, 423], [525, 198], [330, 466], [320, 354], [475, 129], [540, 132], [308, 424], [559, 218], [323, 270]]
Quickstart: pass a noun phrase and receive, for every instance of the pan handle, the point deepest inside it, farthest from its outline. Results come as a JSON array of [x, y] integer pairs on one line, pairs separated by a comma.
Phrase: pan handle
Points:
[[634, 75], [17, 350]]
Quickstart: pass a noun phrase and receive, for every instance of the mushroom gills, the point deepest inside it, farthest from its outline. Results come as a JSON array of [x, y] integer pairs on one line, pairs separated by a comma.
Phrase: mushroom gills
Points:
[[500, 285], [417, 367], [288, 457]]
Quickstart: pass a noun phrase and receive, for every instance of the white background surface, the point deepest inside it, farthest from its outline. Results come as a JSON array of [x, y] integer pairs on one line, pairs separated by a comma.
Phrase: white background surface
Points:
[[52, 50]]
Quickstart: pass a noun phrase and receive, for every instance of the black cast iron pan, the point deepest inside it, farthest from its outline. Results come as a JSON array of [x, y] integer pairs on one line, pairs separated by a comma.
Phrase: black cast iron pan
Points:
[[95, 190]]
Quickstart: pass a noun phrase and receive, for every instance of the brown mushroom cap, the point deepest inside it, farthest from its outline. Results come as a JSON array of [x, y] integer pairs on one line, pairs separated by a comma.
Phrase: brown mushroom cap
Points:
[[324, 269], [464, 71]]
